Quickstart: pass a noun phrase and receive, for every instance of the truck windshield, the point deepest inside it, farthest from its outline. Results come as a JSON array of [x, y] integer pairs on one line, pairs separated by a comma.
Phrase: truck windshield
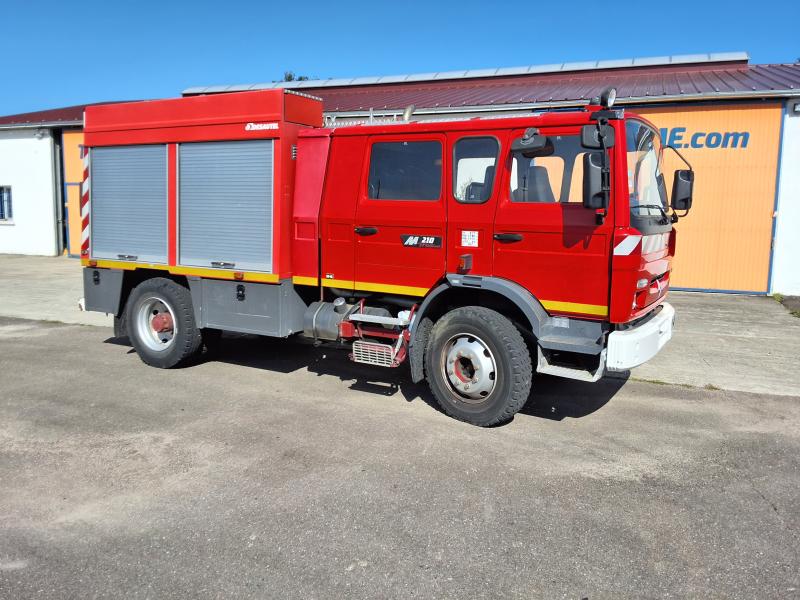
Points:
[[645, 186]]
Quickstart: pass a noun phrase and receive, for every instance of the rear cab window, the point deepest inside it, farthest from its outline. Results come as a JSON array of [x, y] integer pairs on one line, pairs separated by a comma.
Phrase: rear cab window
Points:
[[405, 170], [474, 168]]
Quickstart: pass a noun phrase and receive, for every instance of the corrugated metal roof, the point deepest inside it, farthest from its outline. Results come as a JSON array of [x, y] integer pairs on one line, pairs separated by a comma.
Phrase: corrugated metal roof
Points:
[[646, 86], [68, 116], [570, 67], [639, 85]]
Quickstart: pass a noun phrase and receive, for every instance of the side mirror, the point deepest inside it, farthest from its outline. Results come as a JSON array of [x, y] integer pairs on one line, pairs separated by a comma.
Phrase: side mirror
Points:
[[590, 136], [593, 195], [682, 187]]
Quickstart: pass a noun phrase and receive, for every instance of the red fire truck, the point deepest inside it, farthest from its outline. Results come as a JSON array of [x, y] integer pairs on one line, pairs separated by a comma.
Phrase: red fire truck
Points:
[[479, 251]]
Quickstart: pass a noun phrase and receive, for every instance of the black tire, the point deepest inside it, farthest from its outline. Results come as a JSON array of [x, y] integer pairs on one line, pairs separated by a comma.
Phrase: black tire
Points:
[[502, 345], [186, 339]]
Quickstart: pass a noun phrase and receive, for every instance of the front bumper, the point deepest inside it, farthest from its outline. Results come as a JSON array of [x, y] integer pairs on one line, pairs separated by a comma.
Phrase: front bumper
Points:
[[635, 346]]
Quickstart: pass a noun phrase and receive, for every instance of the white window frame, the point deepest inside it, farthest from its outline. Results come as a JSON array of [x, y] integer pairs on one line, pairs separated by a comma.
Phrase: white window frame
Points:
[[6, 206]]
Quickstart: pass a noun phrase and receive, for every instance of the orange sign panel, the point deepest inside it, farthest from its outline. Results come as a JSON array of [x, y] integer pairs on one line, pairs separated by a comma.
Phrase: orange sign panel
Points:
[[725, 242], [73, 176]]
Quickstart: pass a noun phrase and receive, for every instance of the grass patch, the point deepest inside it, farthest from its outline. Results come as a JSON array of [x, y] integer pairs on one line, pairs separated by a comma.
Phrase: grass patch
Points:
[[778, 298], [711, 386], [653, 381]]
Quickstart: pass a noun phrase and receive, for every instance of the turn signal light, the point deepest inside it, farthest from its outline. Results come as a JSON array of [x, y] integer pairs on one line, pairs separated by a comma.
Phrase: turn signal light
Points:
[[641, 284]]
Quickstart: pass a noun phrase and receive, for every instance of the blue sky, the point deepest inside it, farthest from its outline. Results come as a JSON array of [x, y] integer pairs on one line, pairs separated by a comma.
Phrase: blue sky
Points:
[[59, 53]]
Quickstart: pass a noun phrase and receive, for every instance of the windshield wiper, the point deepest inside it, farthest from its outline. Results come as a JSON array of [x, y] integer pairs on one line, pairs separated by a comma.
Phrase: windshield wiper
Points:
[[664, 215]]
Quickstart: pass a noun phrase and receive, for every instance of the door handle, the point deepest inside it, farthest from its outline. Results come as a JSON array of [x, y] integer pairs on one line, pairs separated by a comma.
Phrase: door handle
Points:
[[366, 230], [508, 237]]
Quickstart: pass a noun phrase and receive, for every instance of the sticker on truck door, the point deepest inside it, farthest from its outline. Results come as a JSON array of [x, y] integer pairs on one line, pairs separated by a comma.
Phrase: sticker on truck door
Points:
[[421, 241]]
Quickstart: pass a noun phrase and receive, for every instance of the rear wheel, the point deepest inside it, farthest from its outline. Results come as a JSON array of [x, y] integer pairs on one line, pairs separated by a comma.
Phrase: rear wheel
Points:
[[478, 366], [161, 323]]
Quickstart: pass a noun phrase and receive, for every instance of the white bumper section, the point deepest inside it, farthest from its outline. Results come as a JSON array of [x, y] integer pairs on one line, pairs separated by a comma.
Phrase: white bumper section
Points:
[[631, 348]]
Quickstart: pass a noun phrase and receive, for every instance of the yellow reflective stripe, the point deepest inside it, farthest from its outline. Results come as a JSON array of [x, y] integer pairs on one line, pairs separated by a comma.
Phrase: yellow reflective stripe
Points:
[[178, 270], [303, 280], [575, 307], [340, 283], [405, 290], [365, 286]]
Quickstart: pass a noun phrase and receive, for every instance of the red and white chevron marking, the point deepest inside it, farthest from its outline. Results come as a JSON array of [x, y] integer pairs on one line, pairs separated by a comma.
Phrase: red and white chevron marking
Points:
[[85, 202]]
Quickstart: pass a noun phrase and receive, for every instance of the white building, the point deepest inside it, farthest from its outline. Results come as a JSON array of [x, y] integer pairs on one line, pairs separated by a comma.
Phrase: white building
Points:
[[32, 185]]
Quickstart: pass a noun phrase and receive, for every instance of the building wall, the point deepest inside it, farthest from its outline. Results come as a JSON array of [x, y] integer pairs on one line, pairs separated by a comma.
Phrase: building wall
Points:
[[786, 254], [26, 164], [725, 242]]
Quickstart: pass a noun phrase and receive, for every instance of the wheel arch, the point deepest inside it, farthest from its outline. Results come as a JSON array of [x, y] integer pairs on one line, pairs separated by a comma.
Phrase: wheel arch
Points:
[[502, 295]]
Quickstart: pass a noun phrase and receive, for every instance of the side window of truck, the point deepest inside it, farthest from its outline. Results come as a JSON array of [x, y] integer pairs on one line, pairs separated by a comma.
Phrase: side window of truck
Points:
[[405, 171], [474, 163], [555, 174]]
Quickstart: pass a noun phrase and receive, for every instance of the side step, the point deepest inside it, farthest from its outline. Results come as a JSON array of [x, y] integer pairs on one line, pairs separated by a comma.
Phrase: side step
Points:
[[379, 320], [373, 353], [543, 366]]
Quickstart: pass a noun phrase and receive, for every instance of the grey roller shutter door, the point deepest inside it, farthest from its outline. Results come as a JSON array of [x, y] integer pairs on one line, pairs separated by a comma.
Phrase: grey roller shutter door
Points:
[[129, 203], [225, 204]]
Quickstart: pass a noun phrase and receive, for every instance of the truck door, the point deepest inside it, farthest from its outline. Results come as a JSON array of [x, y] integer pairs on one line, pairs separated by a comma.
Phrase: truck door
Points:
[[544, 239], [400, 217], [471, 200]]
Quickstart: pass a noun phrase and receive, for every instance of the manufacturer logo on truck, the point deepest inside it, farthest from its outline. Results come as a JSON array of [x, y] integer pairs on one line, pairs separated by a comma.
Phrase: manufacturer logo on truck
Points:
[[422, 241], [260, 126]]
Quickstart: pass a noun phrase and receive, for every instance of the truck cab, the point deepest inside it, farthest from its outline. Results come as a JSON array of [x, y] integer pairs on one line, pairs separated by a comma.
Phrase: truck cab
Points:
[[480, 251]]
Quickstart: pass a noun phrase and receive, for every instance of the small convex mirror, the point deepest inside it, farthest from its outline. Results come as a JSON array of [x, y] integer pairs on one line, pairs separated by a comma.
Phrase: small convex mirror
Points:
[[590, 136], [531, 143]]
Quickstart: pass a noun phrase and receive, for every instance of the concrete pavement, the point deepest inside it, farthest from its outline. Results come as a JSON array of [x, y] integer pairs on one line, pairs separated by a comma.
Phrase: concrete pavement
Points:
[[42, 287], [737, 343], [280, 470]]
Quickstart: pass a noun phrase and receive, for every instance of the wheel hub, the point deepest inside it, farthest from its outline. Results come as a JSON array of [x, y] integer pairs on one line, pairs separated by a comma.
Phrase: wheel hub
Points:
[[470, 368], [155, 323], [162, 323]]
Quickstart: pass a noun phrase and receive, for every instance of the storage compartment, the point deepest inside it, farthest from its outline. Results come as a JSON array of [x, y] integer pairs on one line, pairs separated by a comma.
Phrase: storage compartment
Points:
[[225, 204], [129, 203], [260, 308]]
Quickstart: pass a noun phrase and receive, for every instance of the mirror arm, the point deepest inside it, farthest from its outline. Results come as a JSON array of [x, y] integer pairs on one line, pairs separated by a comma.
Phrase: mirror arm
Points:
[[686, 162], [605, 172]]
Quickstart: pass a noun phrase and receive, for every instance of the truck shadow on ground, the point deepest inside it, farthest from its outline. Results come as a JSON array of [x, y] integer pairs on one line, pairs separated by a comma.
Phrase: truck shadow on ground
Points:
[[551, 398]]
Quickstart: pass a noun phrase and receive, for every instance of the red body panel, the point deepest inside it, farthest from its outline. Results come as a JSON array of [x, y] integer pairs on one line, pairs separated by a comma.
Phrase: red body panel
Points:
[[338, 214], [312, 151]]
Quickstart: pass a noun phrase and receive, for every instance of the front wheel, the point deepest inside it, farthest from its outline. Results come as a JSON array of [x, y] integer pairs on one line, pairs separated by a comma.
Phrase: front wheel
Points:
[[161, 323], [478, 366]]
